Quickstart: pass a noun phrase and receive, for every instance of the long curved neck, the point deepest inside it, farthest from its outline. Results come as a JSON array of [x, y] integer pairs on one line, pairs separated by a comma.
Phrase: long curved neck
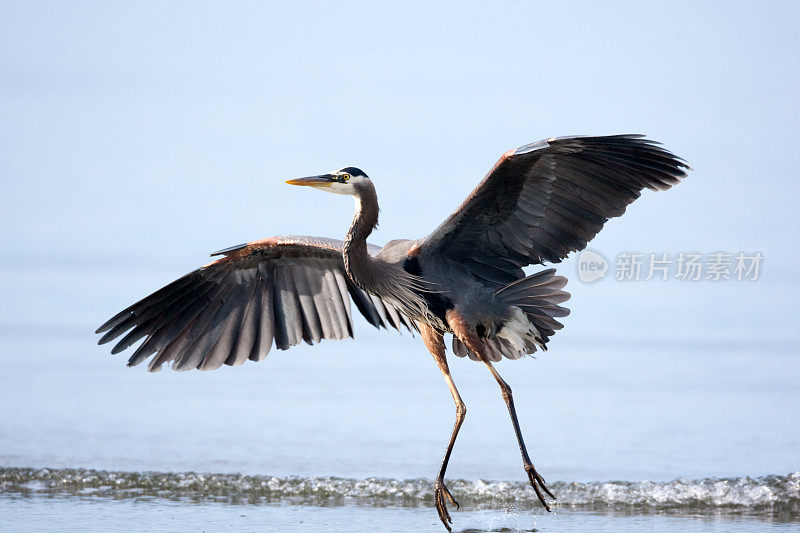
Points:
[[394, 286], [357, 262]]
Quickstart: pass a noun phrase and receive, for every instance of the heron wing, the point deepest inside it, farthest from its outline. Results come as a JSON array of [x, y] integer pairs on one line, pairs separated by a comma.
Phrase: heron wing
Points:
[[281, 289], [544, 200]]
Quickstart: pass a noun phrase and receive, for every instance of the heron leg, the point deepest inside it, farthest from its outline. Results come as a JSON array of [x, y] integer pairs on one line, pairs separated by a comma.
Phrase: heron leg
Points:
[[536, 481], [467, 334], [435, 344]]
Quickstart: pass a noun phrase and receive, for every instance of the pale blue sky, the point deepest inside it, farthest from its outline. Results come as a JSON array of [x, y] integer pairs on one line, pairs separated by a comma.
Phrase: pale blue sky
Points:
[[137, 137], [154, 133]]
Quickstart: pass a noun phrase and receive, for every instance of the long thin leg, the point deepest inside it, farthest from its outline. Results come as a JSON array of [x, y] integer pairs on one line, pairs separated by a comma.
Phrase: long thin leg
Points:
[[467, 334], [435, 344], [533, 476]]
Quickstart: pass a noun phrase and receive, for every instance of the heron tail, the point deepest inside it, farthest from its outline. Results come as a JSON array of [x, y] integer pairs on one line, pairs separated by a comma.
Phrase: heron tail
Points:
[[539, 296]]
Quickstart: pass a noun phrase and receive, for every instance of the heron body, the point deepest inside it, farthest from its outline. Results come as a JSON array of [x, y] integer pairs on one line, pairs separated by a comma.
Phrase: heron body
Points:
[[537, 204]]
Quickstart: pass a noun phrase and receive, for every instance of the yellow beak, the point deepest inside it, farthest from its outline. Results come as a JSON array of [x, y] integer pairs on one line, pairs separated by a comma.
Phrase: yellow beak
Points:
[[323, 180]]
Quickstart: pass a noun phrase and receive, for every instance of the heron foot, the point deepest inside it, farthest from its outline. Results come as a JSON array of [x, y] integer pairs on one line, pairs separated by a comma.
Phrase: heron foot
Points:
[[440, 496], [537, 482]]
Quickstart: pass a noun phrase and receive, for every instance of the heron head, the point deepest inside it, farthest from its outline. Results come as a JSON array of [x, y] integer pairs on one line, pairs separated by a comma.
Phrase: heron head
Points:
[[348, 180]]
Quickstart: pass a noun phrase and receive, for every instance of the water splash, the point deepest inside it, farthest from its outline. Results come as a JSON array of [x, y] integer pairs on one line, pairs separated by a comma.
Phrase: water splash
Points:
[[760, 494]]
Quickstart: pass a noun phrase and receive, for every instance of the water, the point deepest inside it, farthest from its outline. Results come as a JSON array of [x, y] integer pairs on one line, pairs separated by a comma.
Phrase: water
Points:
[[253, 501], [778, 495], [636, 423], [109, 515]]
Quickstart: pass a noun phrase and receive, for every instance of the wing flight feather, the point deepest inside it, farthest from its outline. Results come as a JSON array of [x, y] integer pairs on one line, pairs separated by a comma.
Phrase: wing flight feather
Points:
[[281, 290], [546, 199]]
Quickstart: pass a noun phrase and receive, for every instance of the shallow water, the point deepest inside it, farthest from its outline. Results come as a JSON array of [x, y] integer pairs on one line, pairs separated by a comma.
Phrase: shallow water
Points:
[[348, 435], [81, 514], [166, 501], [769, 495]]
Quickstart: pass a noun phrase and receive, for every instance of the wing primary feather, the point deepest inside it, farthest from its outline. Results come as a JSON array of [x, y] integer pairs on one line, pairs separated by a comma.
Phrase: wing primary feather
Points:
[[312, 328], [152, 298], [222, 348], [336, 298], [247, 329], [319, 294], [175, 348], [286, 306], [156, 322], [201, 323], [341, 284], [195, 354], [364, 304], [174, 319], [266, 319]]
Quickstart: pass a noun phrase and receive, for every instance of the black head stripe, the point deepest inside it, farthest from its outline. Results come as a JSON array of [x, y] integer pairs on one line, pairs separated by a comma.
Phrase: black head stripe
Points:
[[353, 171]]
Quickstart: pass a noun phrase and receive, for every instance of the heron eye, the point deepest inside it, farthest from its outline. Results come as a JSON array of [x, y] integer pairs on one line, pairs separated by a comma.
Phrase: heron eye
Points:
[[345, 177]]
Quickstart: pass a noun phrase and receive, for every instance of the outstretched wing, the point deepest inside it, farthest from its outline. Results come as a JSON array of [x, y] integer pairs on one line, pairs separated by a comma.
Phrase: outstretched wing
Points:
[[289, 289], [546, 199]]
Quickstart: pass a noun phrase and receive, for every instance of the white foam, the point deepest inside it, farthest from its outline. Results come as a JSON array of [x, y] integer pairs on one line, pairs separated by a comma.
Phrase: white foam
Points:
[[759, 493]]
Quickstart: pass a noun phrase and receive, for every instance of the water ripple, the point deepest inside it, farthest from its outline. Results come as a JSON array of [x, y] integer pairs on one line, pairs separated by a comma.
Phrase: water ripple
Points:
[[758, 494]]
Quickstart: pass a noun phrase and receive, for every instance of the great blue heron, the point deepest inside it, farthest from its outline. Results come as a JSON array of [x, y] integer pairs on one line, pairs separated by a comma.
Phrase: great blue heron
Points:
[[537, 204]]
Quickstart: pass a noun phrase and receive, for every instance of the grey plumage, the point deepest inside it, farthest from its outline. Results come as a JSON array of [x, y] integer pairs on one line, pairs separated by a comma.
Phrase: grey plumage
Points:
[[546, 199], [290, 289], [537, 204]]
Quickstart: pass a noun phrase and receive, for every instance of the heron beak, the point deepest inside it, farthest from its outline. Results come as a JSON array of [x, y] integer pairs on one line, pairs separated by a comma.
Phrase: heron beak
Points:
[[318, 182]]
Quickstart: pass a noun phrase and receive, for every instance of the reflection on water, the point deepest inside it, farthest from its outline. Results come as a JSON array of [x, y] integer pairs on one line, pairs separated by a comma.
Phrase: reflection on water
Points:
[[498, 530]]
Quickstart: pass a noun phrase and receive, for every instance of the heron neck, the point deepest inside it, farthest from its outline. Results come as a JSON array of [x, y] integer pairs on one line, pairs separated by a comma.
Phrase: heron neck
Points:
[[357, 261]]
